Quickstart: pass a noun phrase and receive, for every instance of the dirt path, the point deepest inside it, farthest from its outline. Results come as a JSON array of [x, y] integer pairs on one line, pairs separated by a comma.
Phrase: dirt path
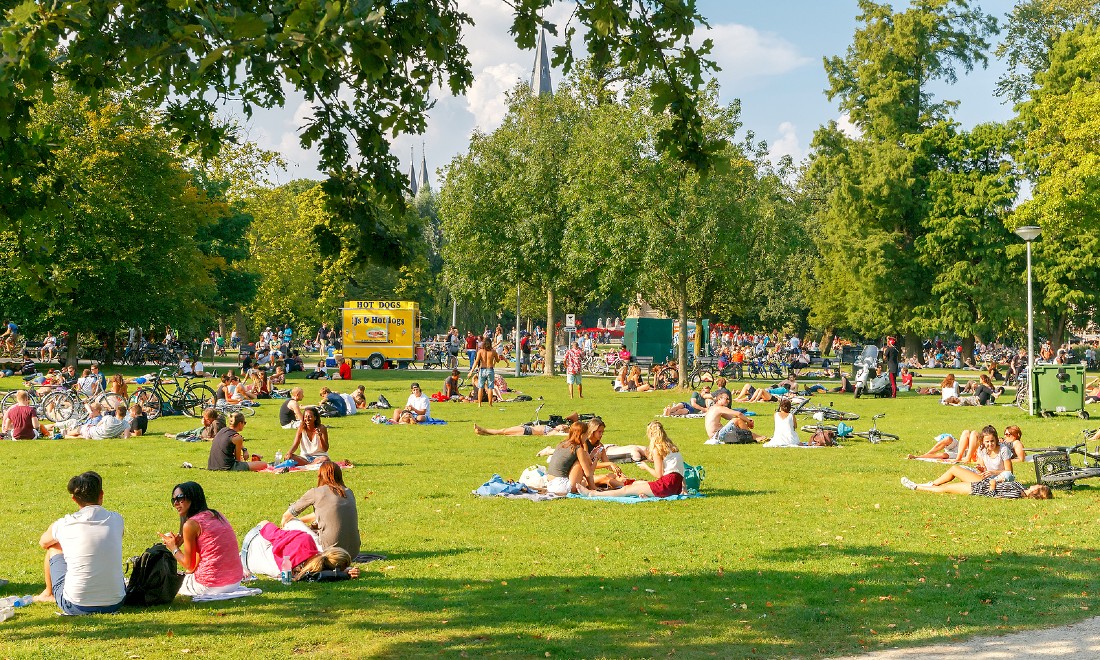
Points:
[[1080, 640]]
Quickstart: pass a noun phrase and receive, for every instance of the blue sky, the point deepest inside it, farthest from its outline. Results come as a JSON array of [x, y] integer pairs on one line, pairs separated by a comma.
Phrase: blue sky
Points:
[[771, 58]]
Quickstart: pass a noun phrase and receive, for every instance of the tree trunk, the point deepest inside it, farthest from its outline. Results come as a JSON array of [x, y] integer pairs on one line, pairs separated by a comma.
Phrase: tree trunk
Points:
[[242, 330], [827, 342], [550, 348], [1058, 333], [698, 338], [71, 348], [968, 347], [221, 326], [682, 340], [913, 346], [111, 344]]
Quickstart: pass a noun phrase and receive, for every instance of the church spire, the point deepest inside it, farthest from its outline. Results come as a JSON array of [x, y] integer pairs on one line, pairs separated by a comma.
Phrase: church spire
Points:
[[412, 172], [424, 169], [540, 72]]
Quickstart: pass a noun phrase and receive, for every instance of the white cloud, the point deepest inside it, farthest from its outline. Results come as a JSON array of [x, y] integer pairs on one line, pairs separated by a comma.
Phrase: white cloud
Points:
[[847, 127], [485, 99], [787, 144], [745, 53]]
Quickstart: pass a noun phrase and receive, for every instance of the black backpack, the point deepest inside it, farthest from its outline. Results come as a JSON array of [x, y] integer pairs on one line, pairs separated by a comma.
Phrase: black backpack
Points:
[[153, 578]]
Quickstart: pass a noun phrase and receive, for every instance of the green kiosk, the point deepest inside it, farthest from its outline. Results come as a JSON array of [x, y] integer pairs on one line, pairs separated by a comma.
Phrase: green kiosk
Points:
[[648, 338]]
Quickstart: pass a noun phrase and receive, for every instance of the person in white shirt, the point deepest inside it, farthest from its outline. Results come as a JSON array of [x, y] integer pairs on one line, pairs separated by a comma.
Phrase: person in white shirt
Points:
[[185, 366], [416, 410], [83, 565]]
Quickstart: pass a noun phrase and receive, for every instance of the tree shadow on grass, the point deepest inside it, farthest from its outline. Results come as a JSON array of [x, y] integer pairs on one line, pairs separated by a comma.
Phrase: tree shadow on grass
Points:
[[824, 601]]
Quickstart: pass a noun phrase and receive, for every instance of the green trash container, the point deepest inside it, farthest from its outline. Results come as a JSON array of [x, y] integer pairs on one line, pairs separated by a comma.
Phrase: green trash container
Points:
[[1059, 388]]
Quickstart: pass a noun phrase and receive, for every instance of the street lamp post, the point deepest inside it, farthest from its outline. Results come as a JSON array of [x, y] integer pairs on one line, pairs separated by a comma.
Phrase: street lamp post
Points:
[[1030, 233]]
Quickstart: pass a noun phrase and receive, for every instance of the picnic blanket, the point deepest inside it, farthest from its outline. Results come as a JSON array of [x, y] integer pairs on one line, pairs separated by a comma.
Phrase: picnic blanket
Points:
[[801, 446], [687, 416], [312, 467], [634, 499], [382, 419], [934, 460], [240, 592]]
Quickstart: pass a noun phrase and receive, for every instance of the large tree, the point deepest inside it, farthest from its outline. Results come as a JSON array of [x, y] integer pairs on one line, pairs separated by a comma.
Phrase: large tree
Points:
[[122, 239], [367, 68], [878, 202], [505, 214], [1059, 154]]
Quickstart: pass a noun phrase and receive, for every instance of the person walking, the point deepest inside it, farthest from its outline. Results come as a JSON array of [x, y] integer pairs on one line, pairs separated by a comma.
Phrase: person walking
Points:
[[573, 359]]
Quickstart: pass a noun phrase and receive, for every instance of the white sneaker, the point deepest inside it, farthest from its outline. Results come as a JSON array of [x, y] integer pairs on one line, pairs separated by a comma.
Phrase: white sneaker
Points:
[[908, 483]]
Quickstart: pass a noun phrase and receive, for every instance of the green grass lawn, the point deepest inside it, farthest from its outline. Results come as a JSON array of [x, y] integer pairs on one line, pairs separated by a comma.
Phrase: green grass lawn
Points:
[[792, 552]]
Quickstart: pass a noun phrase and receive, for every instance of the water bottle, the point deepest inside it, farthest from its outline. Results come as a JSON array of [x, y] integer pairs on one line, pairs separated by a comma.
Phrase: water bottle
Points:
[[24, 601], [285, 571], [278, 457], [6, 613]]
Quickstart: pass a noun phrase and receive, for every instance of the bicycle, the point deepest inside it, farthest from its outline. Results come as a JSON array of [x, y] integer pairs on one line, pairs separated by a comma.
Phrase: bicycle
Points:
[[1054, 465], [663, 375], [872, 435], [187, 397], [13, 347]]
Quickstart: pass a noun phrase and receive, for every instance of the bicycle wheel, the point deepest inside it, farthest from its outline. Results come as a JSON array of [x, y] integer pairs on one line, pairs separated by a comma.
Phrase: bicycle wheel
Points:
[[149, 400], [1071, 475], [7, 402], [814, 428], [698, 378], [197, 398], [599, 367], [839, 415], [109, 400], [879, 436], [60, 406]]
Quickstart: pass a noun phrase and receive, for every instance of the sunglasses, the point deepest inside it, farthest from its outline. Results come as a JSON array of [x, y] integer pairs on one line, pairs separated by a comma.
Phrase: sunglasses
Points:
[[176, 499]]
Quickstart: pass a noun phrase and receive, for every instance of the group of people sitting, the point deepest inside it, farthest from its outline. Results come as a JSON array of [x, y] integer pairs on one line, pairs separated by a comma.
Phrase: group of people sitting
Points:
[[84, 567], [21, 422], [990, 476]]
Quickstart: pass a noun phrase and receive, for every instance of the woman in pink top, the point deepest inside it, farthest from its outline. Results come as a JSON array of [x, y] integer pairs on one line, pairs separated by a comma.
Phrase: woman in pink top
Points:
[[206, 545]]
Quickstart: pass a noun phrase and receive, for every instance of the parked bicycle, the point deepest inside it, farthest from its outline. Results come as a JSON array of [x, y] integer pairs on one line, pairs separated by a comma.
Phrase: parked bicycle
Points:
[[1054, 466], [186, 397], [873, 435]]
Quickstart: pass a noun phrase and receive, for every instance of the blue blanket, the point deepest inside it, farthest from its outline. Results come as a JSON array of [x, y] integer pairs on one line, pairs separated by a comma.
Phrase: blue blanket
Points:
[[434, 421], [633, 499]]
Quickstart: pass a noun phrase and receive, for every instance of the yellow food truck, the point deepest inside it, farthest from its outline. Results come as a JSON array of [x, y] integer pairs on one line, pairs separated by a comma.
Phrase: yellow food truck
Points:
[[380, 331]]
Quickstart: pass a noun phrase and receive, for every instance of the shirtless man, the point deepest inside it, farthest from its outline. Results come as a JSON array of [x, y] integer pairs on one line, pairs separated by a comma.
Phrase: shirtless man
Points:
[[484, 363], [534, 429], [738, 428]]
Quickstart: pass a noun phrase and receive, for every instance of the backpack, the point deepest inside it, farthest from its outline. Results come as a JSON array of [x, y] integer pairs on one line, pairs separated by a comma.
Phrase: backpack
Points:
[[153, 578], [693, 478], [879, 385], [383, 402]]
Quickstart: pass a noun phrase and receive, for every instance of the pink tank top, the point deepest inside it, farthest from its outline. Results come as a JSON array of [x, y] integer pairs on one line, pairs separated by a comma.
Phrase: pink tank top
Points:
[[219, 556]]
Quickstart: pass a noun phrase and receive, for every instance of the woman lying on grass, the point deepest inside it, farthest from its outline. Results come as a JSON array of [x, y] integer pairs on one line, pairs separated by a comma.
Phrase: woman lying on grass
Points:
[[668, 470], [959, 480]]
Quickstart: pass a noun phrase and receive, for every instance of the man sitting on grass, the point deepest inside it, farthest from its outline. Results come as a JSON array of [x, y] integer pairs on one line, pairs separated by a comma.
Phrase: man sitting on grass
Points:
[[227, 453], [290, 413], [738, 430], [21, 420], [84, 554], [212, 422]]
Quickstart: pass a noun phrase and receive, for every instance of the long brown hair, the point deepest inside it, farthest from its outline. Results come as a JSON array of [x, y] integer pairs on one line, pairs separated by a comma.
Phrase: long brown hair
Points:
[[330, 474], [578, 433]]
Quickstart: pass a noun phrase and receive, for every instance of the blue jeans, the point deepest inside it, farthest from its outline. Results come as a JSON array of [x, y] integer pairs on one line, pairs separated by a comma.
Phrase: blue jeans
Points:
[[471, 354]]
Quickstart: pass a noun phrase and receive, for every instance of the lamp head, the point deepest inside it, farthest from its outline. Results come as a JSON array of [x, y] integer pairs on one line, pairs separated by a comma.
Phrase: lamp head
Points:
[[1029, 232]]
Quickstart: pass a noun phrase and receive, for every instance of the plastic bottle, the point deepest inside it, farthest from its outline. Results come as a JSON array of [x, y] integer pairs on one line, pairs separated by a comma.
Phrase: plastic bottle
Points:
[[6, 613], [24, 601], [278, 457], [285, 571]]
